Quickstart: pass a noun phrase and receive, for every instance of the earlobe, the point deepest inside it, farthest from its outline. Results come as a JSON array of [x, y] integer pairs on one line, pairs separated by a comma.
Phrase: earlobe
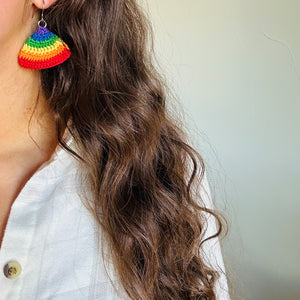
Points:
[[47, 3]]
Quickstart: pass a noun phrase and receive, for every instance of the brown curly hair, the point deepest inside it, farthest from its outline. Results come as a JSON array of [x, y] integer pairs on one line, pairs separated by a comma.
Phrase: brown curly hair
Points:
[[139, 168]]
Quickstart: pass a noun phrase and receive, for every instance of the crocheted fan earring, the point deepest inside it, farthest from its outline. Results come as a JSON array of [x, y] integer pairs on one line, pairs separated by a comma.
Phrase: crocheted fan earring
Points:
[[43, 49]]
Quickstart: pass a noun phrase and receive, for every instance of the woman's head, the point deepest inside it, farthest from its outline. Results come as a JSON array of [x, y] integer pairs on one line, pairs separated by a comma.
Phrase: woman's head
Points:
[[137, 167]]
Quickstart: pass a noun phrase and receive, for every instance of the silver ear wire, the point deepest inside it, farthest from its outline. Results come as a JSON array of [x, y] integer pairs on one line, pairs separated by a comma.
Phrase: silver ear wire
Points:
[[42, 17]]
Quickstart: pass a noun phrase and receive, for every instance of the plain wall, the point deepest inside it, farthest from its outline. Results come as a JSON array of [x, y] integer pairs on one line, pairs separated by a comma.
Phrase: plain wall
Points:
[[235, 65]]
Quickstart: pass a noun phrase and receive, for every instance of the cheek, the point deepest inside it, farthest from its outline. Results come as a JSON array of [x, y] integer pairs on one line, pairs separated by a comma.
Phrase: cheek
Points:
[[11, 17]]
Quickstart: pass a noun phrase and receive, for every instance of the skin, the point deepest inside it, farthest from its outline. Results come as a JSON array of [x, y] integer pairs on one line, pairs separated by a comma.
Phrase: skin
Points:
[[20, 156]]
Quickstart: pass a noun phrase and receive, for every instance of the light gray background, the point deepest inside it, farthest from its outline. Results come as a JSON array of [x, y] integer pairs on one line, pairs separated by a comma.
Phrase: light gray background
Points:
[[235, 65]]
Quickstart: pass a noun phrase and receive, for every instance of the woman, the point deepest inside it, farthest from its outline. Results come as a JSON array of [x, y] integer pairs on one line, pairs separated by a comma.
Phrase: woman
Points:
[[99, 193]]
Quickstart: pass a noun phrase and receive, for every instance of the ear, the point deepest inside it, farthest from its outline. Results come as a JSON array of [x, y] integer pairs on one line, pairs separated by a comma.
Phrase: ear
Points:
[[39, 3]]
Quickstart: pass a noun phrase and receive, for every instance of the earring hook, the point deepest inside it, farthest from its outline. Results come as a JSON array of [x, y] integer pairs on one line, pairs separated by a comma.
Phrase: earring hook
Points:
[[42, 17]]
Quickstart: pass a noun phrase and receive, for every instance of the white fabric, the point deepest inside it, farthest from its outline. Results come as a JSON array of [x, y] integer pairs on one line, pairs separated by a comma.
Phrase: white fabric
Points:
[[212, 248], [54, 238]]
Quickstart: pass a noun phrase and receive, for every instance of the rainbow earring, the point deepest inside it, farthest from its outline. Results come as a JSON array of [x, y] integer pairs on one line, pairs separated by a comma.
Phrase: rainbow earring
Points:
[[43, 49]]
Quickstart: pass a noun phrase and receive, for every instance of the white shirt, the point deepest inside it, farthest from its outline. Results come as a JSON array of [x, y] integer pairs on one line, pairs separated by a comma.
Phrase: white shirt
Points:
[[50, 243]]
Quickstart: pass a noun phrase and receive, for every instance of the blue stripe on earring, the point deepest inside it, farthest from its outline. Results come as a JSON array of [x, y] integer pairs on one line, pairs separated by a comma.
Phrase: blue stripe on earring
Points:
[[44, 37]]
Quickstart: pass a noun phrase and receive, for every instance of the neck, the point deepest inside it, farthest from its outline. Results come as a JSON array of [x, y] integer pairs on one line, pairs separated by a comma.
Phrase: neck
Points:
[[24, 110]]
